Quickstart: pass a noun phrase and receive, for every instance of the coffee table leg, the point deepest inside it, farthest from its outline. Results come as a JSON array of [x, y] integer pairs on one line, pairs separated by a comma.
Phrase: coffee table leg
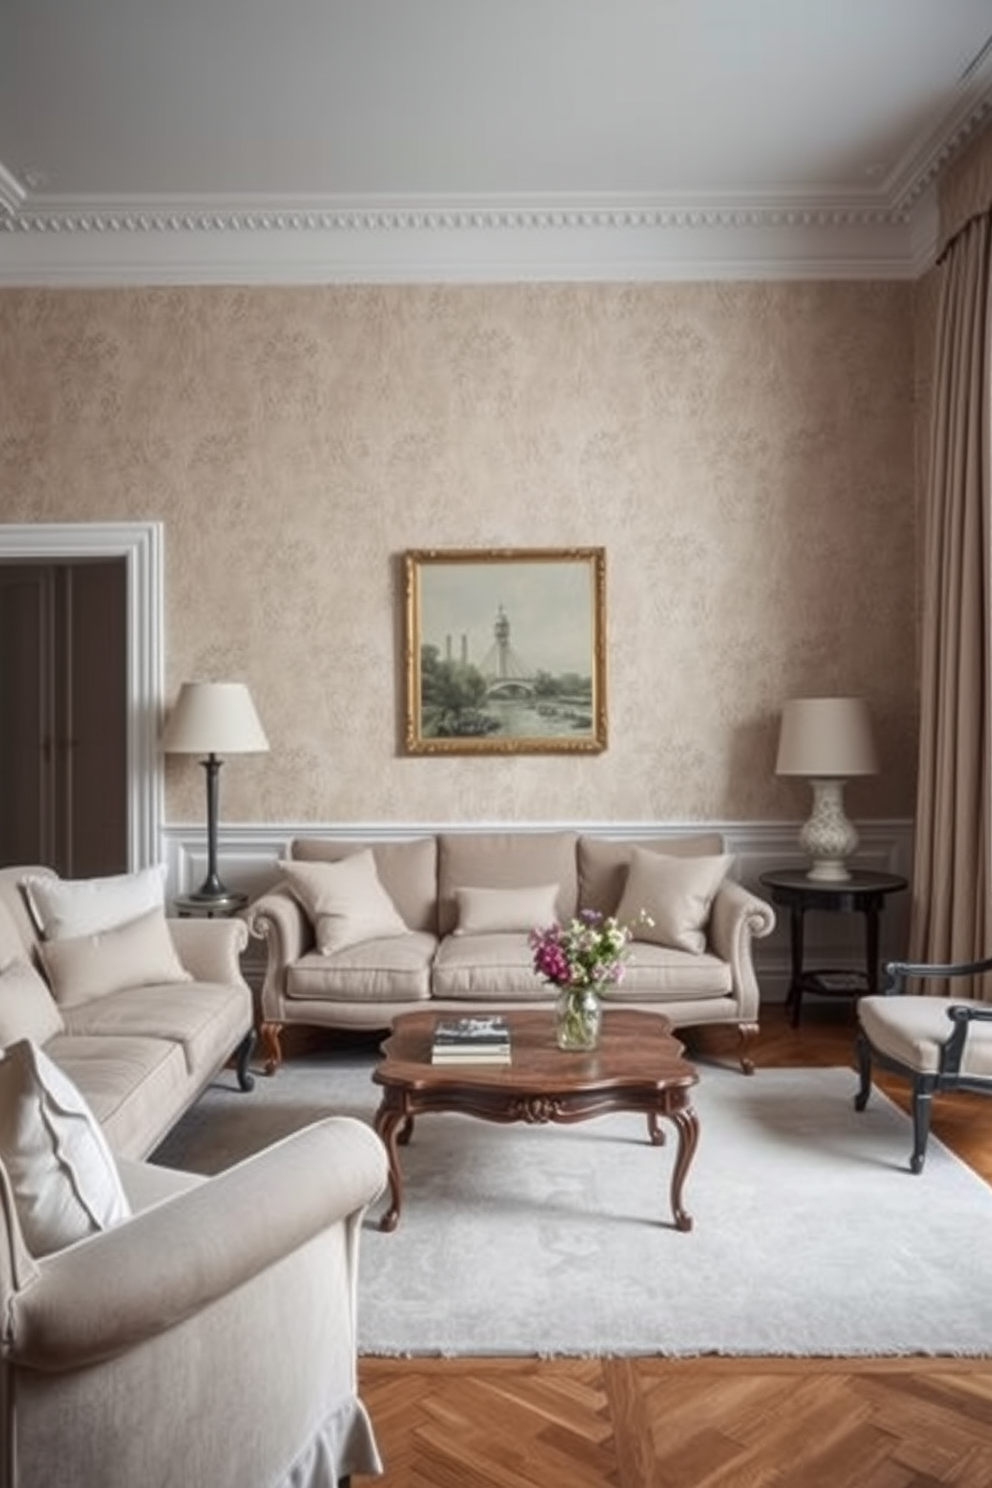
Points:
[[686, 1125], [392, 1123]]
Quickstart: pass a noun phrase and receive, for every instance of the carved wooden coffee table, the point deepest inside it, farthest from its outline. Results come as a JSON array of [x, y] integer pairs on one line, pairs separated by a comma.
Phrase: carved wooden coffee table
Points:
[[637, 1066]]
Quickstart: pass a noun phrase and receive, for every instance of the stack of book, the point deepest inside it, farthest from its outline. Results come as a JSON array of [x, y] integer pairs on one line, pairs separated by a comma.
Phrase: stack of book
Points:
[[483, 1040]]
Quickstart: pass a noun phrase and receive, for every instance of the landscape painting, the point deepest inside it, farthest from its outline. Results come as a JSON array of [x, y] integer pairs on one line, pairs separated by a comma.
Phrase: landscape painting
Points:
[[505, 651]]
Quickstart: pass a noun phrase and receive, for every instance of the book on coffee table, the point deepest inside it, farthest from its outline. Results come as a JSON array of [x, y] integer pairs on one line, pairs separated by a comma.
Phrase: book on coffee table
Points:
[[482, 1040]]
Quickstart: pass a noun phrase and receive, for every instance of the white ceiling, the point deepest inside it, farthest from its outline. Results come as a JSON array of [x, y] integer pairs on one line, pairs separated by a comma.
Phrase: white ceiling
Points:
[[243, 139]]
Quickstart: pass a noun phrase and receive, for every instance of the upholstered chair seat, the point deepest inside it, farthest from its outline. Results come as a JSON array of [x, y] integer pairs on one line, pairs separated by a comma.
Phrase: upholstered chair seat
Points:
[[937, 1043]]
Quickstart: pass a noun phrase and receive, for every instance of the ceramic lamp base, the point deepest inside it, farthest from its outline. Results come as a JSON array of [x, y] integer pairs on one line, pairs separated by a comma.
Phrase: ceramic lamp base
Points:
[[828, 838]]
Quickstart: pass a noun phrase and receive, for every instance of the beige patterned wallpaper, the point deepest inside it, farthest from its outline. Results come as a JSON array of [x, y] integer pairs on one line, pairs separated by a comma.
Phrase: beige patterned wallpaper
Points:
[[744, 452]]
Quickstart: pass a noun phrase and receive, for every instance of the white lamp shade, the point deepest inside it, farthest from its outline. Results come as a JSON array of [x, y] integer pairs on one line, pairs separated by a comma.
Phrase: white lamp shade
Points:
[[214, 718], [826, 738]]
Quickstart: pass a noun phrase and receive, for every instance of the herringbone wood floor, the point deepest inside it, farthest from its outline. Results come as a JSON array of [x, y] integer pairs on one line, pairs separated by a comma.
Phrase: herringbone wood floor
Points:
[[701, 1423]]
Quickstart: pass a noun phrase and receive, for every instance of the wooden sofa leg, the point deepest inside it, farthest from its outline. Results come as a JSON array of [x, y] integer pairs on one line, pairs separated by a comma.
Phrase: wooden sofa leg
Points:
[[748, 1033], [242, 1056], [272, 1046]]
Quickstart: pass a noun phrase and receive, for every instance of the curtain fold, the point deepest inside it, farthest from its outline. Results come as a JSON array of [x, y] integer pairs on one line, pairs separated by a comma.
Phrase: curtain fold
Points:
[[952, 880]]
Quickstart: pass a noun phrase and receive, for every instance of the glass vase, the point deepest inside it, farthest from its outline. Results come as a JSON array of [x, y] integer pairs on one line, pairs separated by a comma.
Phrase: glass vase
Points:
[[578, 1015]]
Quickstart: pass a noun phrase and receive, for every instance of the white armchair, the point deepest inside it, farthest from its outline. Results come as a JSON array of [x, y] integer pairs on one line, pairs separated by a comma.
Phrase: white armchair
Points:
[[207, 1340]]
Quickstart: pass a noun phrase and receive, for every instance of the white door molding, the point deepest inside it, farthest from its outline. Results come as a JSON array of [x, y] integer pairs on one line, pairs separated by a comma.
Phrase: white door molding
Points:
[[140, 545]]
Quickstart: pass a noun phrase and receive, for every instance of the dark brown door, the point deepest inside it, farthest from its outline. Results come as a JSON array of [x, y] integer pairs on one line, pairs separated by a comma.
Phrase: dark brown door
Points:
[[63, 722]]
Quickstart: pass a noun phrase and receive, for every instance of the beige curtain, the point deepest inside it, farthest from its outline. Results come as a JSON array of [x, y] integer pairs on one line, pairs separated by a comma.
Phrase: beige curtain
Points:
[[952, 915]]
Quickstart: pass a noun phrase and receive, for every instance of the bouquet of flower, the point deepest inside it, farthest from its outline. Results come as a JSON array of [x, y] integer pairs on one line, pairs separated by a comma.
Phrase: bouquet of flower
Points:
[[589, 951]]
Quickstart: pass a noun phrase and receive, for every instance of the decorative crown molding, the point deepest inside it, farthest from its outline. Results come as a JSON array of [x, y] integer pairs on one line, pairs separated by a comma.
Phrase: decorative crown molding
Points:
[[12, 193], [280, 216], [886, 232], [921, 167], [265, 241]]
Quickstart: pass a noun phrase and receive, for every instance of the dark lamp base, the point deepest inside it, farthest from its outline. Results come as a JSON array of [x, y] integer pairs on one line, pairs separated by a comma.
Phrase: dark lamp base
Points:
[[226, 902]]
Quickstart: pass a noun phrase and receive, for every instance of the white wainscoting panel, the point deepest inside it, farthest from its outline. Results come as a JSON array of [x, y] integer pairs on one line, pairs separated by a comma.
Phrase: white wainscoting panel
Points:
[[248, 860]]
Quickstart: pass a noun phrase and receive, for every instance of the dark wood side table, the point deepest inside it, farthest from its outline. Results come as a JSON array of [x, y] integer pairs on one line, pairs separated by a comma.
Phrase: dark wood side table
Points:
[[862, 893]]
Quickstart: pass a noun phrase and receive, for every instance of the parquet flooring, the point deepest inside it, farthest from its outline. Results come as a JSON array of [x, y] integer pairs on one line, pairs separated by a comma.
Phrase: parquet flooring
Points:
[[701, 1423]]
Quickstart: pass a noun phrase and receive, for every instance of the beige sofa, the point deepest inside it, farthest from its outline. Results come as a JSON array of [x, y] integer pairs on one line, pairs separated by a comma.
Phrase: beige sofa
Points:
[[209, 1338], [444, 923], [160, 1327], [139, 1054]]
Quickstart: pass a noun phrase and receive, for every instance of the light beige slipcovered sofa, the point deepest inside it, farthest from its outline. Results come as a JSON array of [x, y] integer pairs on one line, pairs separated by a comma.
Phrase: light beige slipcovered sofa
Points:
[[141, 1018], [358, 932], [207, 1338], [157, 1327]]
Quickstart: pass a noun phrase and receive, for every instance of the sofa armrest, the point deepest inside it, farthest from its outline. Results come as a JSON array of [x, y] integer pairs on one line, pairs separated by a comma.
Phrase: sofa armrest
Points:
[[209, 949], [105, 1295], [737, 918], [278, 919]]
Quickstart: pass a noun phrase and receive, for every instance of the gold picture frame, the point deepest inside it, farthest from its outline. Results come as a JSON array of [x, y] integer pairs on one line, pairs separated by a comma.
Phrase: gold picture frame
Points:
[[505, 650]]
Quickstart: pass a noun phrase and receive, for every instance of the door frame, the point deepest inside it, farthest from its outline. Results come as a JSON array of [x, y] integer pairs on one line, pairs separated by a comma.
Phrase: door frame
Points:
[[140, 544]]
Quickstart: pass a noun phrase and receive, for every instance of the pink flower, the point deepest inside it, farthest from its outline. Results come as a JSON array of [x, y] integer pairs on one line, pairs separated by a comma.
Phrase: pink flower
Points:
[[589, 951]]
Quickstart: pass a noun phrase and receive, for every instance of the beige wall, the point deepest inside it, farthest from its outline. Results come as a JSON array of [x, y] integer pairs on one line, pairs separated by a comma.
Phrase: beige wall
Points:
[[745, 453]]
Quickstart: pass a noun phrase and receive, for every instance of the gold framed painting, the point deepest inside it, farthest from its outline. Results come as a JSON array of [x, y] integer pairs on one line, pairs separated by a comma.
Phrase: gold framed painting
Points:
[[505, 650]]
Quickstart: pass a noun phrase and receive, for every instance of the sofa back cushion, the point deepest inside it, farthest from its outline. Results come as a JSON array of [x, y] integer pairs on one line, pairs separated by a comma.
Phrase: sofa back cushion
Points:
[[64, 908], [504, 860], [605, 862], [496, 911], [18, 932], [140, 953], [406, 870], [27, 1008], [63, 1177], [674, 892], [345, 901]]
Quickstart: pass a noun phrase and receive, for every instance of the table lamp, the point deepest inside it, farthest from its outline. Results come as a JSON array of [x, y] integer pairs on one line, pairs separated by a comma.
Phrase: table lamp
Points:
[[213, 718], [827, 740]]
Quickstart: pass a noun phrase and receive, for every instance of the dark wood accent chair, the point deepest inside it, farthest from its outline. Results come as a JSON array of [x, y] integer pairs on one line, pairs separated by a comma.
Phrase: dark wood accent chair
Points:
[[937, 1043]]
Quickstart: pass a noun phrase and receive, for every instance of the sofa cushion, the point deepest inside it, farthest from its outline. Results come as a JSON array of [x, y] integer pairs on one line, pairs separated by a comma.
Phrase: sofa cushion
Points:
[[394, 970], [483, 968], [135, 1087], [483, 911], [504, 860], [27, 1008], [139, 953], [659, 974], [675, 894], [206, 1019], [345, 901], [64, 908], [603, 863], [62, 1174], [18, 931], [407, 871]]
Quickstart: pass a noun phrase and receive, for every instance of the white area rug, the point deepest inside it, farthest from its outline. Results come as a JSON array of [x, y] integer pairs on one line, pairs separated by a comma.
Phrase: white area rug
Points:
[[811, 1236]]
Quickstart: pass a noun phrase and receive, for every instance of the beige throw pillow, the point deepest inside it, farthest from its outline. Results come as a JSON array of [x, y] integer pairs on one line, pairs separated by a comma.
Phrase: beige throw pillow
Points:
[[27, 1008], [488, 911], [138, 954], [677, 894], [61, 1170], [345, 901], [66, 907]]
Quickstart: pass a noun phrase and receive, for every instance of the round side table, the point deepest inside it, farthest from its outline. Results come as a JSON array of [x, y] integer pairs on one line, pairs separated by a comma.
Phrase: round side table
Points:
[[863, 893]]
